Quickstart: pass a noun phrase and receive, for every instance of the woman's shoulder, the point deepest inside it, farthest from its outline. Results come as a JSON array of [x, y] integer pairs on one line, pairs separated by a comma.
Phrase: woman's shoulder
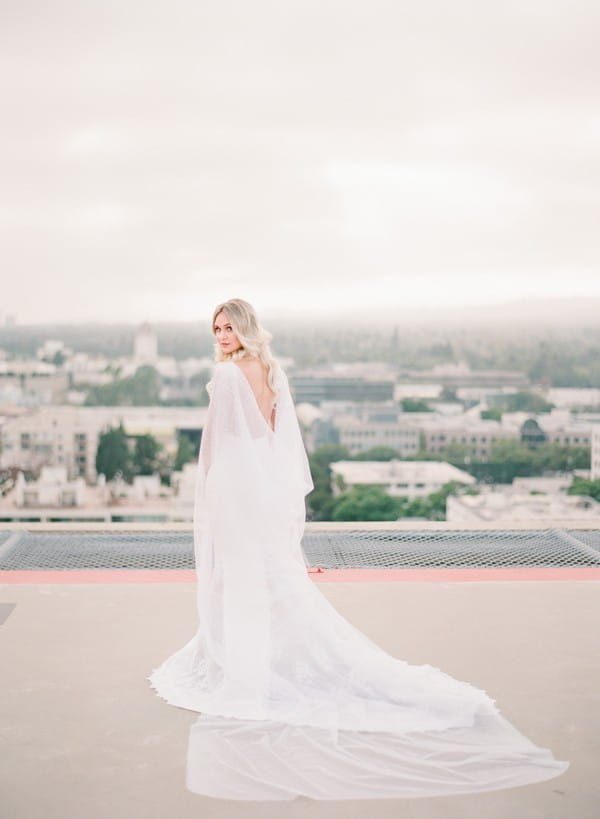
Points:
[[249, 364]]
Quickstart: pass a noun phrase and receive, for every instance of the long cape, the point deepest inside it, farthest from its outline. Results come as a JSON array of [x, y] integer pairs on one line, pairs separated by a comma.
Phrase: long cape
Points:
[[271, 652]]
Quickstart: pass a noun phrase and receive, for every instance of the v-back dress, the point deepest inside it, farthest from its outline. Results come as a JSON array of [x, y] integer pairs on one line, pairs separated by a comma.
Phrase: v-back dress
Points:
[[270, 647]]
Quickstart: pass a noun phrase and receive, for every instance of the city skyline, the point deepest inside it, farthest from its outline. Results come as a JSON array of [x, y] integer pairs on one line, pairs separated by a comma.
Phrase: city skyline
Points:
[[323, 159]]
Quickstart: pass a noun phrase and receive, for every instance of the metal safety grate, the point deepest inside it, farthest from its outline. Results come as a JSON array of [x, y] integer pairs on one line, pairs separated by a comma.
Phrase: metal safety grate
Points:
[[330, 550]]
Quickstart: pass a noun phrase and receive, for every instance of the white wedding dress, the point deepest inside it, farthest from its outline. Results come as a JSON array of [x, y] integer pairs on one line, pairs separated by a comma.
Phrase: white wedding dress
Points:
[[294, 699]]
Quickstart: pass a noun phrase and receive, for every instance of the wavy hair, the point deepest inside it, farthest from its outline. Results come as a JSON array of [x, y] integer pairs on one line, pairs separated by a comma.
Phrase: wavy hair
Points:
[[255, 340]]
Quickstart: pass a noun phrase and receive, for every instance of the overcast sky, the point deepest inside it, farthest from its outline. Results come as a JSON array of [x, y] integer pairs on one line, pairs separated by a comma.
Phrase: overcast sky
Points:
[[303, 154]]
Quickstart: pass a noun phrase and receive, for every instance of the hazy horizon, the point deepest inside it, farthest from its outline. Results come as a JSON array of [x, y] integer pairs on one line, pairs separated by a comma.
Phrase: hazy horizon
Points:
[[328, 158], [558, 312]]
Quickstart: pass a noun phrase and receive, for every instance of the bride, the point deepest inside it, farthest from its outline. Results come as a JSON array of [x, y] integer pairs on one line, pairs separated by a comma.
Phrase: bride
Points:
[[274, 669]]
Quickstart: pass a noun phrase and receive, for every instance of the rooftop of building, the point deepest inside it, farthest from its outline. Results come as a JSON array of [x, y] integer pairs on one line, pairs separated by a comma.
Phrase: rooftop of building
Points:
[[395, 470], [83, 624]]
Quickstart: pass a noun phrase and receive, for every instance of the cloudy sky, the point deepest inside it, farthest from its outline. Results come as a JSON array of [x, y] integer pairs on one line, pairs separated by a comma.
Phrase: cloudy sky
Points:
[[321, 156]]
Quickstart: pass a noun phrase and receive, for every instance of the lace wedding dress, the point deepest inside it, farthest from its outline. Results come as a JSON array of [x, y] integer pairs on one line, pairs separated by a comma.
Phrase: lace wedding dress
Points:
[[281, 679]]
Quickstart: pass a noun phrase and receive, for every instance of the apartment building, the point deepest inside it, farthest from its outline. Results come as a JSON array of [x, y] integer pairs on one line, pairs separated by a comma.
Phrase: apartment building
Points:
[[477, 436], [382, 427], [68, 436], [411, 479]]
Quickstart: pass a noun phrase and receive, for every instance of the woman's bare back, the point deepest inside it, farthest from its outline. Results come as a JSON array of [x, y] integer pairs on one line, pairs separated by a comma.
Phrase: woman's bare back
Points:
[[256, 373]]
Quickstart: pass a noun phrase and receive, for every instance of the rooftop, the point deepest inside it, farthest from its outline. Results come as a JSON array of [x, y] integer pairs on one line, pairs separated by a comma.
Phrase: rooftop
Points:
[[88, 612]]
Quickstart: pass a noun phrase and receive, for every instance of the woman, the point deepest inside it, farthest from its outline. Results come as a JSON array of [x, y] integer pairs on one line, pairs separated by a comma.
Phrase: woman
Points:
[[271, 647]]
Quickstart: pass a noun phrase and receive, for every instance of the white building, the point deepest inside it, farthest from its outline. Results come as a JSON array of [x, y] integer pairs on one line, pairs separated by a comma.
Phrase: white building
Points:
[[382, 428], [51, 489], [51, 347], [89, 370], [411, 479], [540, 485], [561, 427], [574, 397], [184, 486], [476, 436], [54, 498], [145, 345], [31, 383], [508, 504], [68, 436]]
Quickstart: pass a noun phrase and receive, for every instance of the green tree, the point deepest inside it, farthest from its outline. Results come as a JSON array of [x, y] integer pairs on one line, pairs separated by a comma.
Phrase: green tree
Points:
[[525, 401], [140, 389], [582, 486], [555, 457], [456, 452], [112, 454], [491, 414], [436, 502], [146, 455], [449, 394], [511, 451], [320, 500], [365, 503], [378, 453], [415, 405], [185, 452]]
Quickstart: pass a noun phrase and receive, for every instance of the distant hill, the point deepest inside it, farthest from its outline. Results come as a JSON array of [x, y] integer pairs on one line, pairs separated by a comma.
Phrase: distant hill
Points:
[[539, 312]]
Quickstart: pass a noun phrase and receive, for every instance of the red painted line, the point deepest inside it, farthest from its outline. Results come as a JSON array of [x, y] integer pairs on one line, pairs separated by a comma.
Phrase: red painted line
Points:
[[121, 576]]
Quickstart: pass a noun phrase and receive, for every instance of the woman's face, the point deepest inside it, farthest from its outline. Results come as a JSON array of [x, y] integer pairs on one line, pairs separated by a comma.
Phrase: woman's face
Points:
[[226, 338]]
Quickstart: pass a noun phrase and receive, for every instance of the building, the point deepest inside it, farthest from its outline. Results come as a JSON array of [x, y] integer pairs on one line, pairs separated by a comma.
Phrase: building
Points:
[[53, 497], [568, 433], [314, 388], [580, 398], [31, 383], [145, 345], [461, 375], [68, 436], [471, 434], [558, 426], [51, 489], [184, 486], [410, 479], [516, 504], [377, 427], [312, 423]]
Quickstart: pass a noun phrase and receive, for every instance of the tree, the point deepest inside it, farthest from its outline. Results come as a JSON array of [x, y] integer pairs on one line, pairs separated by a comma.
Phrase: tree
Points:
[[436, 502], [185, 452], [368, 503], [140, 389], [146, 454], [320, 500], [365, 503], [581, 486], [113, 454], [415, 405], [525, 401], [378, 453], [457, 452], [144, 387], [448, 394], [491, 414]]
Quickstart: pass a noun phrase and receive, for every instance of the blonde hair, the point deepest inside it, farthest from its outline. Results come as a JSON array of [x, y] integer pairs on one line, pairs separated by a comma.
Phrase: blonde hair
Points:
[[253, 337]]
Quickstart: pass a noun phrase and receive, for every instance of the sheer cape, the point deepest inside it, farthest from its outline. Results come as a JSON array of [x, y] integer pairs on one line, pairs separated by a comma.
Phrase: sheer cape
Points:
[[270, 647]]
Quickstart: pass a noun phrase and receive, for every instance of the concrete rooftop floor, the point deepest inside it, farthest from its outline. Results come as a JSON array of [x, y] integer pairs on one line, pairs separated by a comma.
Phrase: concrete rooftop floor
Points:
[[85, 737]]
